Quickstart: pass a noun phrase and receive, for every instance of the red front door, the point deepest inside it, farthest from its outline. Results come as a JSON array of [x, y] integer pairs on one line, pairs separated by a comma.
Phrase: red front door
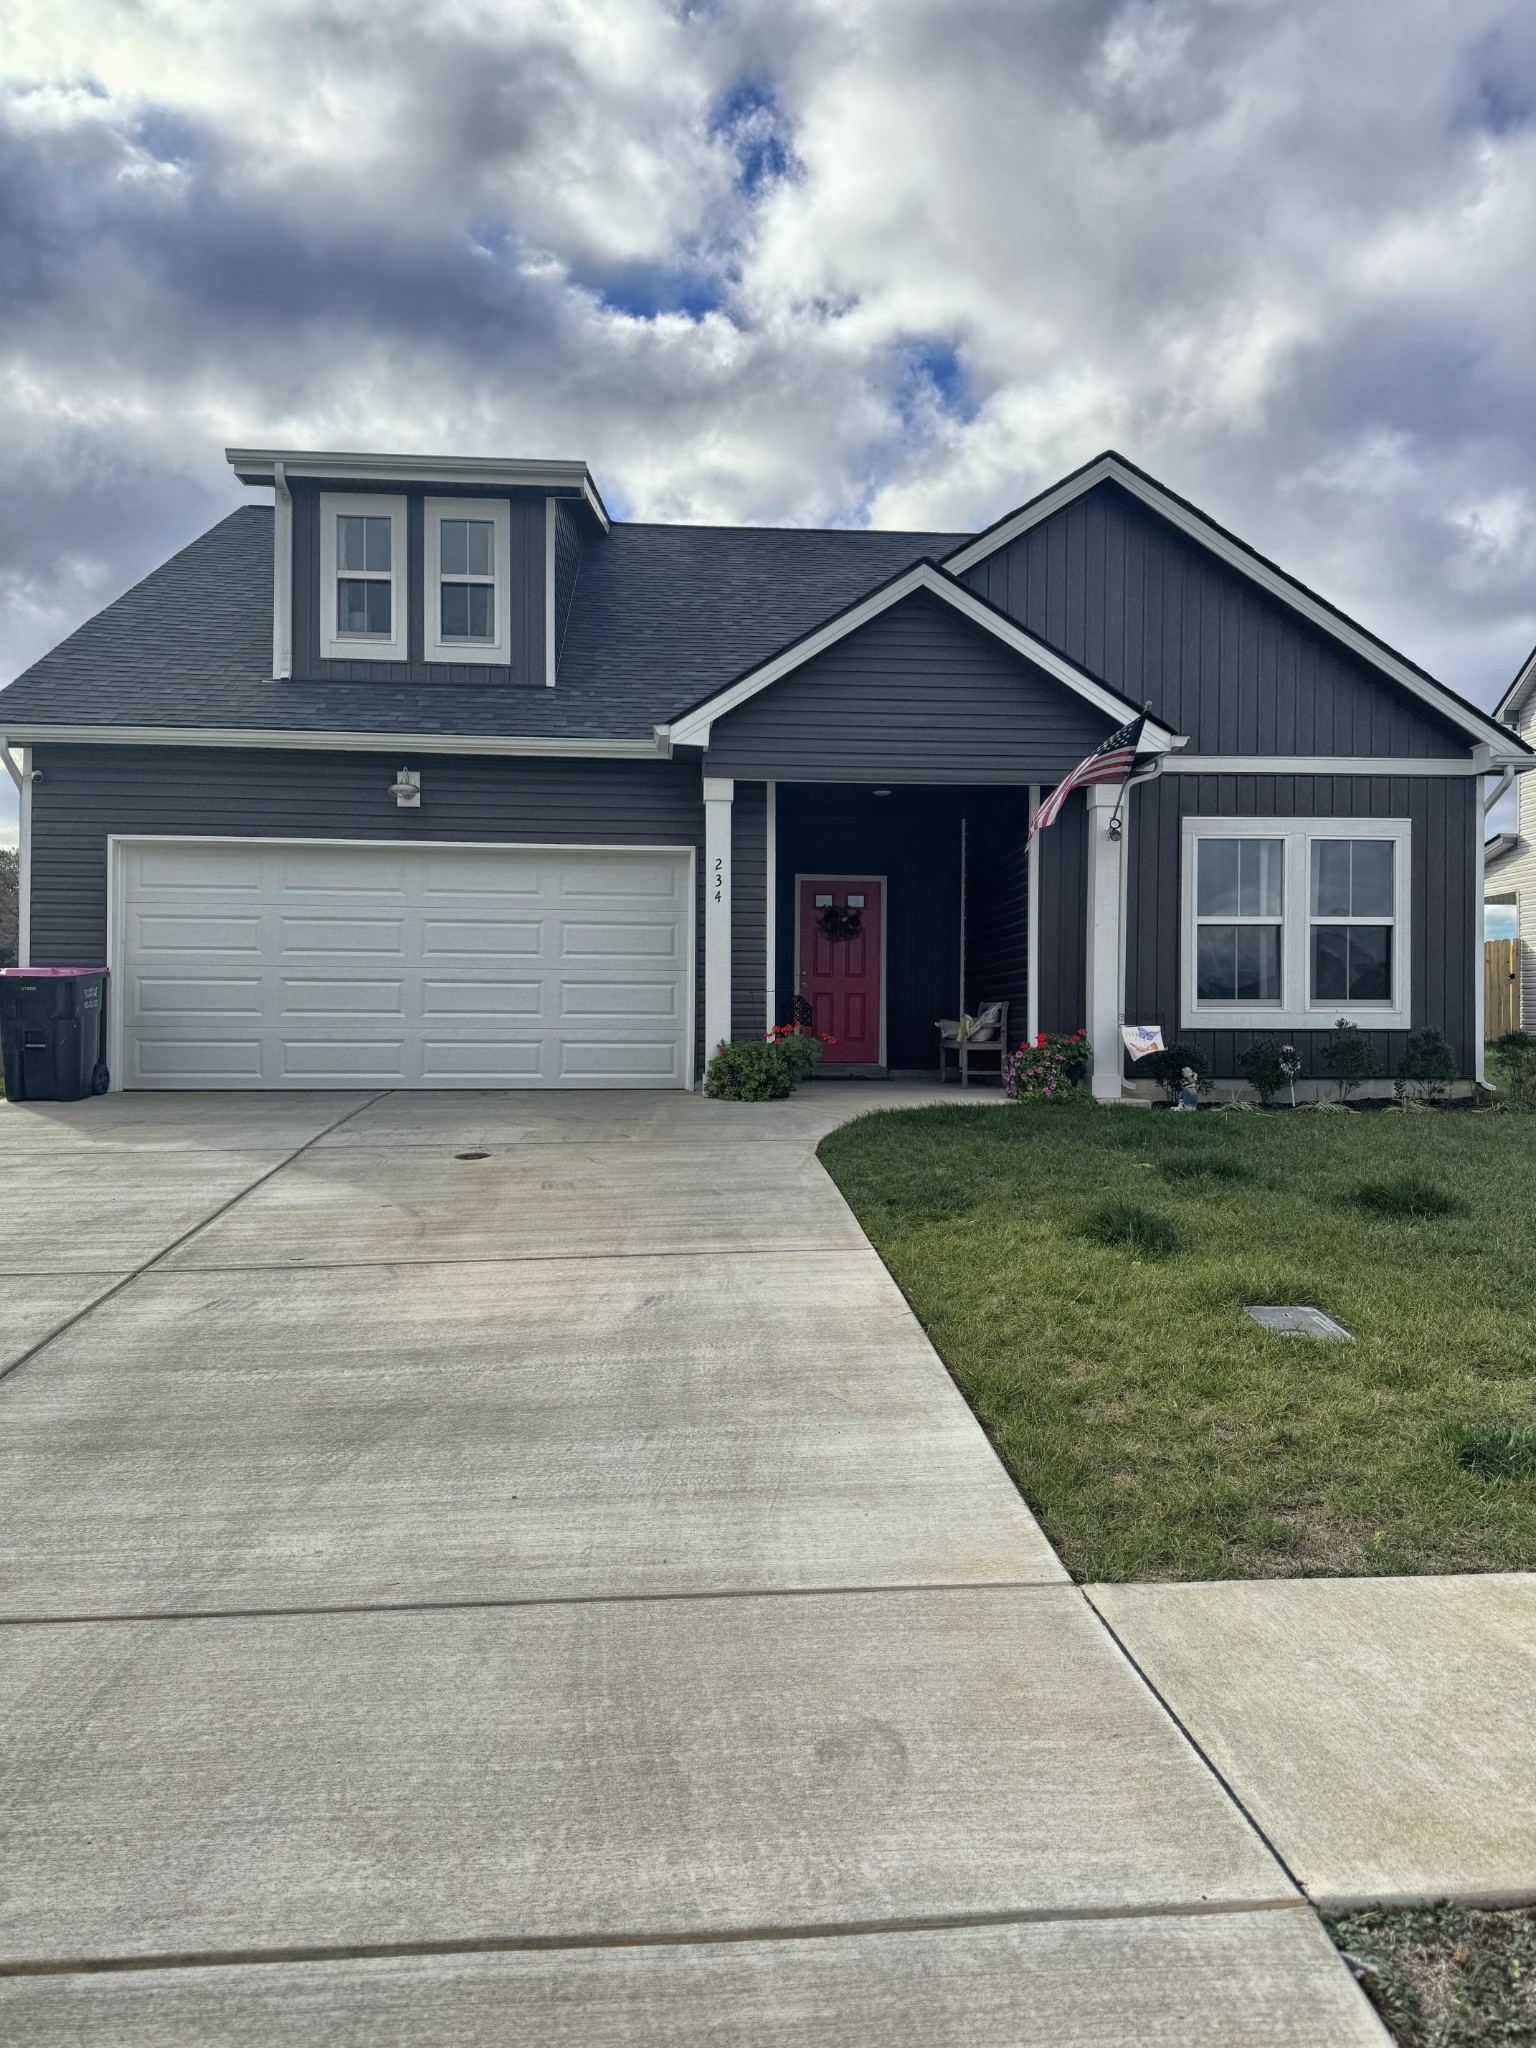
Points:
[[840, 956]]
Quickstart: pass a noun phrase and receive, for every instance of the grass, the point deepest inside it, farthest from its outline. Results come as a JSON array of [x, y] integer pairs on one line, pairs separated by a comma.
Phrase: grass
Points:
[[1084, 1272], [1446, 1976]]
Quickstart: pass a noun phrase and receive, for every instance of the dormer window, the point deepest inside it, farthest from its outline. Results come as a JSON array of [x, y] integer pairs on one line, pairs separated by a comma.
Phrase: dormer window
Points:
[[362, 578], [468, 557]]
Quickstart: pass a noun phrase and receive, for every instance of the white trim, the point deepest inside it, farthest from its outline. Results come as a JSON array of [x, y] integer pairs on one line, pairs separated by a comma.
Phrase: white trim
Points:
[[331, 742], [256, 465], [692, 729], [1325, 764], [336, 646], [1105, 941], [824, 875], [1479, 977], [964, 849], [498, 512], [118, 842], [1509, 705], [24, 865], [1032, 926], [719, 807], [1236, 556], [771, 906], [1296, 1011], [549, 593], [282, 575]]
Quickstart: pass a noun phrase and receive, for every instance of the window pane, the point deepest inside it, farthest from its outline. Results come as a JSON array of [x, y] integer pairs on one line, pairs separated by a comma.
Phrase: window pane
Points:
[[1217, 878], [1352, 963], [469, 611], [1238, 963], [1216, 963], [1330, 877], [350, 548], [362, 543], [1259, 866], [1370, 878], [362, 607], [376, 545], [467, 547]]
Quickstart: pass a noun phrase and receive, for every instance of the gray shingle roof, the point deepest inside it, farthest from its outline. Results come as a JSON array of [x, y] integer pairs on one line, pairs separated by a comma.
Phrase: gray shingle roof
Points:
[[662, 615]]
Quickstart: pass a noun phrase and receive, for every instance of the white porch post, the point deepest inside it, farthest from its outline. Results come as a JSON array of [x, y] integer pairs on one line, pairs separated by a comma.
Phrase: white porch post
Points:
[[718, 793], [24, 864], [1106, 939]]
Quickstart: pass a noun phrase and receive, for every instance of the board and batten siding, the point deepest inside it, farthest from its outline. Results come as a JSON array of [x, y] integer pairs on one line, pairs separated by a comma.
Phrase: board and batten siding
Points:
[[917, 695], [85, 793], [1445, 918], [1116, 588], [526, 585], [749, 909]]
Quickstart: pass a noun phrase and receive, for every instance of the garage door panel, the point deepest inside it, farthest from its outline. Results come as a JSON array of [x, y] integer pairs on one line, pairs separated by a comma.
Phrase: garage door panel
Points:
[[254, 965]]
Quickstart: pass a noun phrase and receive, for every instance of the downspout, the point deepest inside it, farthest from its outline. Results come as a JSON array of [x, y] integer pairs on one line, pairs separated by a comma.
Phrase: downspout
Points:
[[282, 575]]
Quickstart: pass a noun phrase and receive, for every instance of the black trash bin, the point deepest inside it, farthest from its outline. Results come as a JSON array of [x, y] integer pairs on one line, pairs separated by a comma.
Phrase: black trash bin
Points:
[[53, 1033]]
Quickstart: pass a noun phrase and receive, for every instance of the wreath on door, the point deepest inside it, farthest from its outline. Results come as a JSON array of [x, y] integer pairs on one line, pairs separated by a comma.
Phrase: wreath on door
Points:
[[837, 922]]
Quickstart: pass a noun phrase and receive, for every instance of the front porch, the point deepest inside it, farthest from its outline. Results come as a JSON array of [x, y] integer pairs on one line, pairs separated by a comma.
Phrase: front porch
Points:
[[955, 912]]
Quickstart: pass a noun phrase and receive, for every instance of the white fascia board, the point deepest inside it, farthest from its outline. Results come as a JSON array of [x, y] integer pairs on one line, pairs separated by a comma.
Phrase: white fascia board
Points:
[[284, 741], [1512, 702], [1335, 764], [1236, 556], [692, 729], [257, 465]]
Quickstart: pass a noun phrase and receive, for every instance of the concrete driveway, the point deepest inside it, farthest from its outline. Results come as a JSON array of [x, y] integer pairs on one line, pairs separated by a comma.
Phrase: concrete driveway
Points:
[[555, 1595]]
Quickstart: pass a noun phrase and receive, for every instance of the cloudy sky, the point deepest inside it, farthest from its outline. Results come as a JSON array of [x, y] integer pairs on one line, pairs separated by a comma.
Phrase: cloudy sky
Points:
[[895, 262]]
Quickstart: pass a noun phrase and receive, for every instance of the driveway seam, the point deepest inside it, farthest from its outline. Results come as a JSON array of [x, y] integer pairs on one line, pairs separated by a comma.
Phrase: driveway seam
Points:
[[1193, 1740], [176, 1243], [512, 1944]]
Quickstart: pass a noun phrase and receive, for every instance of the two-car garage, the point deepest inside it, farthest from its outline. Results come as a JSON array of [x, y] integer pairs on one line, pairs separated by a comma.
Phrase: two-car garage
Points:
[[281, 964]]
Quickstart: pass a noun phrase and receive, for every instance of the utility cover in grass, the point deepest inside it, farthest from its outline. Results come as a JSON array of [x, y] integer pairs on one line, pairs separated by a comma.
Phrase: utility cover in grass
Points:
[[1302, 1322]]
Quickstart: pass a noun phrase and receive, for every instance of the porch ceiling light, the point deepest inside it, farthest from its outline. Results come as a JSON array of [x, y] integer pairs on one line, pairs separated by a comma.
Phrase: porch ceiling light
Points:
[[879, 792]]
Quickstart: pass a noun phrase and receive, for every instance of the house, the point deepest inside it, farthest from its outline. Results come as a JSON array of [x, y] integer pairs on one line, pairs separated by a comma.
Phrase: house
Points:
[[431, 774], [1510, 857]]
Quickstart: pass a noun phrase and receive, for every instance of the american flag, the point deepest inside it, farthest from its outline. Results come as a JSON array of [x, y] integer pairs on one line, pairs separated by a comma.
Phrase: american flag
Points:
[[1113, 761]]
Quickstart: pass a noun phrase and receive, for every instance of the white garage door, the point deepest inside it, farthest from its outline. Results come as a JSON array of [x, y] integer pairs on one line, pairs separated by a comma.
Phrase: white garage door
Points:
[[314, 966]]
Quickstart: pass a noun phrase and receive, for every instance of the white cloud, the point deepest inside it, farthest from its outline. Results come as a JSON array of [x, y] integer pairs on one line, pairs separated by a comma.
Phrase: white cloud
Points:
[[903, 260]]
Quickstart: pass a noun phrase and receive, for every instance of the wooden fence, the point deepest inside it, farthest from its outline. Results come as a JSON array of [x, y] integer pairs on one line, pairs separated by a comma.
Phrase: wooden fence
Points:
[[1501, 986]]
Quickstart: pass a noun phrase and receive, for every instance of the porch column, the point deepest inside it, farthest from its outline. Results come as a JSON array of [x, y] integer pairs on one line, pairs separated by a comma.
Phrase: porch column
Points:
[[1106, 939], [718, 793]]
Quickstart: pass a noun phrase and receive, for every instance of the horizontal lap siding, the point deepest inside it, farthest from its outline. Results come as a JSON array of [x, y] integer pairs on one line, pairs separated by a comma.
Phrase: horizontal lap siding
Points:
[[1115, 587], [918, 695], [1445, 917], [749, 910], [85, 793]]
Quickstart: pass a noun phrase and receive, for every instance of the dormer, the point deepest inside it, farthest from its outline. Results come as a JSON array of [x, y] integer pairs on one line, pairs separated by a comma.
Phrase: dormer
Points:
[[422, 569]]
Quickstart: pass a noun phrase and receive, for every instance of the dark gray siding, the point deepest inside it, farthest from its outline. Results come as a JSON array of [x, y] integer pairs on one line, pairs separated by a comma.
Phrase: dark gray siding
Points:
[[749, 909], [1118, 589], [918, 695], [568, 545], [1063, 855], [1446, 918], [87, 792], [527, 593], [997, 916]]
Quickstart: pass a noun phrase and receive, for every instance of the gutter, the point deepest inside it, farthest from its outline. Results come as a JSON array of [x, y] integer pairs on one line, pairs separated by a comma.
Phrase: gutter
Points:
[[279, 740]]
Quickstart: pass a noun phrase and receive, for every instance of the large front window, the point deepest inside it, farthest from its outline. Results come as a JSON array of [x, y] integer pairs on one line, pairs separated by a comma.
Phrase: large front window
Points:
[[1292, 922]]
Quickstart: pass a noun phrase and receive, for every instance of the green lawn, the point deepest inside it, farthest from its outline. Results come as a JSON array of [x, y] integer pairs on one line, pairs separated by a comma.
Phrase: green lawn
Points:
[[1158, 1432]]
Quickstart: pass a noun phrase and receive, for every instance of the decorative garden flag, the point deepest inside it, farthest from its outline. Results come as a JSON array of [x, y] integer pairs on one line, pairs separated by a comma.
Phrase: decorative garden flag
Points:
[[1113, 761], [1140, 1039]]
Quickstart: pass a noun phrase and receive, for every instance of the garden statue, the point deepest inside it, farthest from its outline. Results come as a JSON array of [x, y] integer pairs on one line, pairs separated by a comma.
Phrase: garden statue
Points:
[[1189, 1090]]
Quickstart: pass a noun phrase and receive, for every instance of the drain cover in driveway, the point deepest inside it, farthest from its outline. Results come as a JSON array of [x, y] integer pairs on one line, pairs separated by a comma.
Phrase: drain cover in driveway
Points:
[[1301, 1322]]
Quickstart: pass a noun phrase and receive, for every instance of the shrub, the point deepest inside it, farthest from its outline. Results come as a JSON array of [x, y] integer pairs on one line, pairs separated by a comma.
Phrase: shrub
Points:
[[1426, 1068], [1493, 1450], [1270, 1066], [1143, 1230], [1407, 1195], [801, 1048], [1347, 1056], [749, 1071], [1516, 1055], [1168, 1067], [1042, 1072]]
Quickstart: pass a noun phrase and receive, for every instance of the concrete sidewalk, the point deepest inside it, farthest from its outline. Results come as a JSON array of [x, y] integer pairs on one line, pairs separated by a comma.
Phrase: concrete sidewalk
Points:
[[558, 1596]]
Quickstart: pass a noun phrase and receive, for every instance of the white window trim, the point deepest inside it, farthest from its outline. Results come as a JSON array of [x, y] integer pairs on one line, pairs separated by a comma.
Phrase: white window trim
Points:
[[336, 646], [495, 651], [1296, 1011]]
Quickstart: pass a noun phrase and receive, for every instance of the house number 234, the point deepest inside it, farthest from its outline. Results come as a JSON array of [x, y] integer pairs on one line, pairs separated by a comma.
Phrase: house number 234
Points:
[[717, 881]]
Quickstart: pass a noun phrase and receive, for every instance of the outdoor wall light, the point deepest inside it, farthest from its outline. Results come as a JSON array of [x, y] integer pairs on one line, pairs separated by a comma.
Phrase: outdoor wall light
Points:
[[406, 789], [879, 792]]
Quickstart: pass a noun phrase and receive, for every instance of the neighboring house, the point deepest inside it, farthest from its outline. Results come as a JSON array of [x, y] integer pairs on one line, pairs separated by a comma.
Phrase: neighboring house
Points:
[[463, 784], [1510, 857]]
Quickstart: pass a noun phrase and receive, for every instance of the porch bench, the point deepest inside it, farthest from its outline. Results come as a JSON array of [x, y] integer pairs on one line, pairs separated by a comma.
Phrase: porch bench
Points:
[[988, 1037]]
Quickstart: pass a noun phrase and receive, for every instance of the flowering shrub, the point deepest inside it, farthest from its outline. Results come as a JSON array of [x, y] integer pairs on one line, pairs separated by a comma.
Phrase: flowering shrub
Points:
[[1044, 1071], [800, 1047]]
